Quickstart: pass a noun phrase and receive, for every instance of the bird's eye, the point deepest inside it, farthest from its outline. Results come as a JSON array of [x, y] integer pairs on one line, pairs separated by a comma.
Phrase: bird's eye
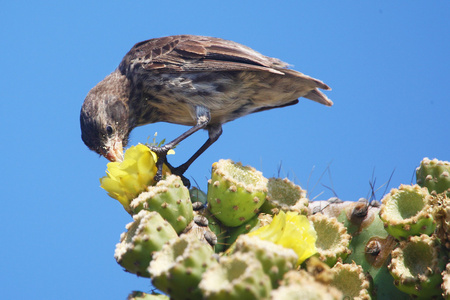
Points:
[[109, 130]]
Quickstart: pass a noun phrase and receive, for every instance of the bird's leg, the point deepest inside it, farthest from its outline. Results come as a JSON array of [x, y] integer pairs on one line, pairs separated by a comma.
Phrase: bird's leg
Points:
[[203, 118], [214, 134]]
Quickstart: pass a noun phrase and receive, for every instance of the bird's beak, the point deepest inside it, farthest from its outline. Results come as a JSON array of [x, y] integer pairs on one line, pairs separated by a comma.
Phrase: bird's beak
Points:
[[115, 150]]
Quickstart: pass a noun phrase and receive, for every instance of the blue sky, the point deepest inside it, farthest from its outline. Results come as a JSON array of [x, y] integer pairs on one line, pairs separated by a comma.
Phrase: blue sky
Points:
[[387, 62]]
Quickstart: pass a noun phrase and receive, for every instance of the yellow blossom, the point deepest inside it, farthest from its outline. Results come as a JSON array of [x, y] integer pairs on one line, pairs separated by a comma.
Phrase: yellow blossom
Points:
[[125, 180], [290, 230]]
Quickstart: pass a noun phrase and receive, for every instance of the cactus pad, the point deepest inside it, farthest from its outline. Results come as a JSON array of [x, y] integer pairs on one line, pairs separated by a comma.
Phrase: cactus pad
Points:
[[332, 239], [145, 235], [171, 199], [406, 211], [282, 194], [434, 175], [239, 276], [235, 192], [276, 260], [178, 267], [416, 266]]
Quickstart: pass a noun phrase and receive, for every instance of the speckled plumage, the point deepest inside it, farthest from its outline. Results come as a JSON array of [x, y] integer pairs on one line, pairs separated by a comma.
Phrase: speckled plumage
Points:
[[178, 79]]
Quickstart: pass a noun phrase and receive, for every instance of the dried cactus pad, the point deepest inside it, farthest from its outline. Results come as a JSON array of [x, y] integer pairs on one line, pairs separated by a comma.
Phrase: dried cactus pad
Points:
[[235, 192]]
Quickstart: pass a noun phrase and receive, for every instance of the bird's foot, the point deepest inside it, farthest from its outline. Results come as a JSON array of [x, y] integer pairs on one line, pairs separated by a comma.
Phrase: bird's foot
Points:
[[161, 152]]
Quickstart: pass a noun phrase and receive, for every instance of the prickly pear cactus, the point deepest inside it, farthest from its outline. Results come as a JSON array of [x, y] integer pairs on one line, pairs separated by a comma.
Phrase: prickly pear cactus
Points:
[[146, 235], [170, 198], [177, 269], [434, 175], [417, 265], [239, 276], [406, 211], [283, 194], [276, 260], [248, 237], [332, 239], [235, 192]]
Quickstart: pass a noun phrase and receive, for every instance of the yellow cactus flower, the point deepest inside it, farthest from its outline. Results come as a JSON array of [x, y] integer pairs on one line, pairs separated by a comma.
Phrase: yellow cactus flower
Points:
[[125, 180], [290, 230]]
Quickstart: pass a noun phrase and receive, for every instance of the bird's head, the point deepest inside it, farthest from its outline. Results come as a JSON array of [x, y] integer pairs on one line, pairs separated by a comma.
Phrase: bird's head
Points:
[[104, 117]]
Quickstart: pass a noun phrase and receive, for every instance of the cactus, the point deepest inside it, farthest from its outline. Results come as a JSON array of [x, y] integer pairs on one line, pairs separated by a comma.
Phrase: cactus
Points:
[[147, 234], [275, 260], [351, 281], [446, 283], [332, 239], [239, 276], [136, 295], [290, 230], [416, 266], [178, 267], [200, 229], [234, 232], [434, 175], [406, 211], [125, 180], [198, 195], [235, 192], [300, 285], [283, 194], [249, 238], [441, 212], [170, 198]]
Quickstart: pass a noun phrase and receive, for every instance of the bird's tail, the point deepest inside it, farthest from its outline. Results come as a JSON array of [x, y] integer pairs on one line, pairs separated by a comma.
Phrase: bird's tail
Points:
[[314, 94], [318, 96]]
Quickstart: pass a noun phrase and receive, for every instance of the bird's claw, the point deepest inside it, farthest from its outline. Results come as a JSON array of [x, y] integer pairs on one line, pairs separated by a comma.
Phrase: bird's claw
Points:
[[161, 152]]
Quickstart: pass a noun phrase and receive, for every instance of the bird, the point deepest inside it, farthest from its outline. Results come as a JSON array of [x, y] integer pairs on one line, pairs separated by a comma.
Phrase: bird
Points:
[[197, 81]]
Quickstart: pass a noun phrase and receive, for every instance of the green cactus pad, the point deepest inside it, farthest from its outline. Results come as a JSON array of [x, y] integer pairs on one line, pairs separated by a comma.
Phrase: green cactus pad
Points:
[[177, 269], [416, 266], [147, 234], [170, 198], [406, 211], [239, 276], [300, 285], [332, 239], [235, 232], [371, 246], [276, 260], [198, 195], [434, 175], [351, 281], [235, 192], [285, 195]]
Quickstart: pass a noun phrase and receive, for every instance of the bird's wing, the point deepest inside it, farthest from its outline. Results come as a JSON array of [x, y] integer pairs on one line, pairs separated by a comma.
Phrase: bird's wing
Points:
[[188, 53]]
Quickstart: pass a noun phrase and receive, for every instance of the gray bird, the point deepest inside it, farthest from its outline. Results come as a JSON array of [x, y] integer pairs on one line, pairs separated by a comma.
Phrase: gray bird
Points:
[[190, 80]]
